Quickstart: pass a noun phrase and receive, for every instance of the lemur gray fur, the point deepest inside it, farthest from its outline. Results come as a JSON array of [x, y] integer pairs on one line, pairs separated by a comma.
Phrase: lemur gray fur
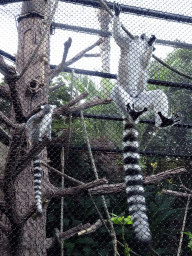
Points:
[[132, 98], [37, 127]]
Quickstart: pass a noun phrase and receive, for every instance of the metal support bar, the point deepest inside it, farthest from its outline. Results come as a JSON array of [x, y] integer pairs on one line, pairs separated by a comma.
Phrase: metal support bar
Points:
[[109, 75], [108, 34], [125, 9], [120, 151]]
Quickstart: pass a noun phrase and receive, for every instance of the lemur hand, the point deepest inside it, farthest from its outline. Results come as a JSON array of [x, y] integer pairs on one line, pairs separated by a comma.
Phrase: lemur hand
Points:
[[151, 40], [117, 8]]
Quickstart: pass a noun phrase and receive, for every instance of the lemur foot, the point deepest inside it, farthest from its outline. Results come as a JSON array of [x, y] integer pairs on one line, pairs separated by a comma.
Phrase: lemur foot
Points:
[[169, 121], [133, 113], [117, 8]]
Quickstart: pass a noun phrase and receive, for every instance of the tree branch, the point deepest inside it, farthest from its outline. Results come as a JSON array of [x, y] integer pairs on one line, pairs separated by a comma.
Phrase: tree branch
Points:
[[62, 174], [66, 192], [4, 137], [164, 175], [79, 230], [58, 86], [7, 121], [61, 66], [4, 228], [64, 110], [81, 54], [5, 92], [152, 179], [5, 69], [174, 193], [89, 104], [54, 192]]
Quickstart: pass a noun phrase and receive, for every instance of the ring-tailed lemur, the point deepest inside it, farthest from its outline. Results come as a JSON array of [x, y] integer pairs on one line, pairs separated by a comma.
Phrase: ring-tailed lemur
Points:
[[132, 98], [38, 126]]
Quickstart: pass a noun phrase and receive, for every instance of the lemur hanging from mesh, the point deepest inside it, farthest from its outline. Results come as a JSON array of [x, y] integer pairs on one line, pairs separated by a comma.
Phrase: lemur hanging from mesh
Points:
[[132, 98], [37, 127]]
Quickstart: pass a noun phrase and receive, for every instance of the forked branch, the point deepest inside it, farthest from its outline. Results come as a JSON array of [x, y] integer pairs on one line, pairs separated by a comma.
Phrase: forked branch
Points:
[[81, 54]]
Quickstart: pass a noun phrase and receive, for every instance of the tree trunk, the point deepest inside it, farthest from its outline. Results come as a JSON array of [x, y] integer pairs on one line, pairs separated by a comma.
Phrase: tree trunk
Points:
[[32, 90]]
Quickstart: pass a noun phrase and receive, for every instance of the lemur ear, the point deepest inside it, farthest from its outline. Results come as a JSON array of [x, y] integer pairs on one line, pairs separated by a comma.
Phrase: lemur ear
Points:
[[151, 40], [143, 36]]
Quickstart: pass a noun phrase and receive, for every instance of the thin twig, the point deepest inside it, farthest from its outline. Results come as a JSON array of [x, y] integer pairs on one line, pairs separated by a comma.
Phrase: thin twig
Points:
[[63, 174], [183, 226]]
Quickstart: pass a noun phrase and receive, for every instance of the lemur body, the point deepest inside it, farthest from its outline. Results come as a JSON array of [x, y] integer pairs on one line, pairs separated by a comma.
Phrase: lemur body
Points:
[[132, 98], [38, 126]]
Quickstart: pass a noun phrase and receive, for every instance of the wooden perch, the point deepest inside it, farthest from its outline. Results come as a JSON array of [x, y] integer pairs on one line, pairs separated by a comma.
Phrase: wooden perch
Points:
[[174, 193], [54, 192], [8, 122], [4, 137], [61, 66], [164, 175], [5, 92], [64, 110], [63, 174], [89, 104], [68, 109], [5, 69], [79, 230], [153, 179], [66, 192], [81, 54]]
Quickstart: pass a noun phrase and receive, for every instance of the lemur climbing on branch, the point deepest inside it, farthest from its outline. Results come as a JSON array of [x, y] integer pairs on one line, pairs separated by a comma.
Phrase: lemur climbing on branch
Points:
[[132, 98], [38, 126]]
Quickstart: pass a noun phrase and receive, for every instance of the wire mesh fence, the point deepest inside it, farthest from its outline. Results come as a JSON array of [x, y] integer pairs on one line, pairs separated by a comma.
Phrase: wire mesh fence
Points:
[[95, 128]]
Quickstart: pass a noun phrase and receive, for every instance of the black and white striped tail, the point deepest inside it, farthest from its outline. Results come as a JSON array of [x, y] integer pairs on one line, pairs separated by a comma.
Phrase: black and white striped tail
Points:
[[37, 182], [134, 184]]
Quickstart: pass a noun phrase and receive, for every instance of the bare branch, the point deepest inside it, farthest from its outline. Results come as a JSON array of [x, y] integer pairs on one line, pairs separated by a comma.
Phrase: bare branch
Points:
[[5, 92], [93, 55], [61, 66], [58, 86], [54, 192], [4, 228], [81, 54], [119, 187], [171, 68], [64, 110], [89, 104], [174, 193], [186, 189], [8, 122], [5, 69], [79, 230], [4, 137], [62, 174], [66, 192], [164, 175]]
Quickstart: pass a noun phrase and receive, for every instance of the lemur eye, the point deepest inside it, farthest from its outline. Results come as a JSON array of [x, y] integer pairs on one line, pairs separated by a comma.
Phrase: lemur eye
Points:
[[143, 36]]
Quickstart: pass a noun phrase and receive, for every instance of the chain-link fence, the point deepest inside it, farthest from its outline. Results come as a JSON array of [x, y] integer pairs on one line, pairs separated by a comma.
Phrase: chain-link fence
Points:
[[95, 127]]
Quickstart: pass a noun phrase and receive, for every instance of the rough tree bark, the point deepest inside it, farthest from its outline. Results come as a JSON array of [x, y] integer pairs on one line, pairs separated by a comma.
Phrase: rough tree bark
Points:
[[22, 231]]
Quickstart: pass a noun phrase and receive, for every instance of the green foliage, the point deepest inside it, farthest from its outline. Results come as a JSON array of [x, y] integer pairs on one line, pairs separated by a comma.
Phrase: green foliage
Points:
[[189, 234], [121, 220]]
